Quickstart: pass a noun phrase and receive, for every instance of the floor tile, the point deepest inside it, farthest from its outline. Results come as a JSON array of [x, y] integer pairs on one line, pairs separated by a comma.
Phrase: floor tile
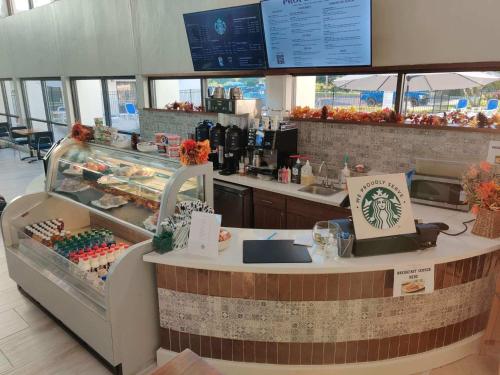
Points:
[[5, 366], [11, 322]]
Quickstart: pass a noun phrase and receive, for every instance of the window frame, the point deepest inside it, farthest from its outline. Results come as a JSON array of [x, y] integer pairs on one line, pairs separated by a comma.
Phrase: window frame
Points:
[[105, 96], [3, 91], [152, 91], [10, 7], [29, 119]]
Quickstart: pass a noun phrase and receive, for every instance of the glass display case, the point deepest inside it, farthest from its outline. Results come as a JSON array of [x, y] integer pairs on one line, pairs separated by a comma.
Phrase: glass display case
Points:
[[127, 185], [77, 248]]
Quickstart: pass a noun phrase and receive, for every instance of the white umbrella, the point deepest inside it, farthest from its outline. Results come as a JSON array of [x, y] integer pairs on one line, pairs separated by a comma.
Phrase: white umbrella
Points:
[[417, 82]]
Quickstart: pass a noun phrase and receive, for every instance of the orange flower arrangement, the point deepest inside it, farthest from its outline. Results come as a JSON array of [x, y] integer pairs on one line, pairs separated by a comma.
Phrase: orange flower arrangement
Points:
[[482, 187], [82, 133], [192, 152], [346, 114]]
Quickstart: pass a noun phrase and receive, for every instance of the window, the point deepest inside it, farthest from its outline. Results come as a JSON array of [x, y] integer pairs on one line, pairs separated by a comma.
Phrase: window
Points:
[[9, 106], [109, 101], [168, 91], [4, 10], [19, 6], [437, 93], [45, 107], [252, 88], [362, 92]]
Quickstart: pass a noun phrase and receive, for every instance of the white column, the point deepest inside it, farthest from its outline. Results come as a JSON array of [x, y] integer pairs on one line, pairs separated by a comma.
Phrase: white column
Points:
[[279, 92], [23, 118], [69, 106], [142, 92]]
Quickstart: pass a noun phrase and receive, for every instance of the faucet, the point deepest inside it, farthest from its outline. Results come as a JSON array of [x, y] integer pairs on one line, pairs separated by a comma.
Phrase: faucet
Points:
[[323, 174]]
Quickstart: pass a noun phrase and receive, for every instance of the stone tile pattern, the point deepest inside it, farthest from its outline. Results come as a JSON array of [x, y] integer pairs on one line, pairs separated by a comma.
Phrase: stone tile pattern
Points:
[[388, 149], [182, 123], [258, 320]]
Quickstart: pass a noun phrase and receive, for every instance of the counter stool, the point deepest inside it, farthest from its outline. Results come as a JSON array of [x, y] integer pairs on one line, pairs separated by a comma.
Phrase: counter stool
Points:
[[186, 363]]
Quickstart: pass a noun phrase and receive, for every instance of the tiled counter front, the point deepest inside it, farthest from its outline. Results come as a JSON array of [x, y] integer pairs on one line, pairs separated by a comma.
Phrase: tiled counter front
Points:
[[320, 319]]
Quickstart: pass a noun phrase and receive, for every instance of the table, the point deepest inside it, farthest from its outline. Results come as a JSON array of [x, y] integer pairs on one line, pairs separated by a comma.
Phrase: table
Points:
[[29, 133]]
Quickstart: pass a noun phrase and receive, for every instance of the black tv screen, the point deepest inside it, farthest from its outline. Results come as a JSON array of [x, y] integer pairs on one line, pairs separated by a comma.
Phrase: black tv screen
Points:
[[317, 33], [226, 39]]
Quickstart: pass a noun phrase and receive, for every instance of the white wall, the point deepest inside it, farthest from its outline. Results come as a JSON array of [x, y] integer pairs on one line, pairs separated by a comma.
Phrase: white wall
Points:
[[134, 37]]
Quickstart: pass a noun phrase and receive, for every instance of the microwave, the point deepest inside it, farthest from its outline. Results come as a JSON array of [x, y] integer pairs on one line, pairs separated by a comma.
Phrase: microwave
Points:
[[441, 192]]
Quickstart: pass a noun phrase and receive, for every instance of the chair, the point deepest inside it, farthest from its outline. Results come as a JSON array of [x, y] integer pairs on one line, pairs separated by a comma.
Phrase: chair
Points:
[[18, 139], [462, 104], [131, 109], [4, 131], [41, 141], [492, 105]]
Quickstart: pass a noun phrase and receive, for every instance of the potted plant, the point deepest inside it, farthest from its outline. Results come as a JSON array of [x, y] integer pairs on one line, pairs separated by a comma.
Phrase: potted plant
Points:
[[482, 188]]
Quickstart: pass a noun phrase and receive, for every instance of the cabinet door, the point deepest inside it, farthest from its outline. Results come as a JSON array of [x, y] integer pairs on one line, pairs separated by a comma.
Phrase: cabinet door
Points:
[[269, 210], [302, 214], [266, 217]]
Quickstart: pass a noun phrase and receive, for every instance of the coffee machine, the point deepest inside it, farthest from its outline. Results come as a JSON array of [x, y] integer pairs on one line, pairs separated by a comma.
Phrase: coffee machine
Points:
[[270, 150], [202, 131], [217, 137], [233, 151]]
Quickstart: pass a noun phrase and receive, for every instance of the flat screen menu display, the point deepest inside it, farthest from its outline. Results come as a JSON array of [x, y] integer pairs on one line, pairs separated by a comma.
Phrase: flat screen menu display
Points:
[[317, 33], [226, 39]]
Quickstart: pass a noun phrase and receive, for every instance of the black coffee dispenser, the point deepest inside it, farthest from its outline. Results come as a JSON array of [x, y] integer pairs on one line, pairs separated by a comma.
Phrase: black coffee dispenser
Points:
[[202, 131], [217, 137], [234, 149]]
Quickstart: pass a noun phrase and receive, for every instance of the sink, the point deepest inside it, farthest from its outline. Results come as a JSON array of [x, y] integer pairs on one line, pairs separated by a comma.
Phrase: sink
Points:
[[319, 190]]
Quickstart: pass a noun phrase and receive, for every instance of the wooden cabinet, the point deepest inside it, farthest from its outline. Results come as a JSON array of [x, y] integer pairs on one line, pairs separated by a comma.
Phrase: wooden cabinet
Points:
[[276, 211], [269, 210], [303, 214]]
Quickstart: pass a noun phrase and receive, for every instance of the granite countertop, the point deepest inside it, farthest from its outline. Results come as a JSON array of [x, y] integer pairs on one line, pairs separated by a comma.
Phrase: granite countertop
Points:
[[291, 190], [448, 249]]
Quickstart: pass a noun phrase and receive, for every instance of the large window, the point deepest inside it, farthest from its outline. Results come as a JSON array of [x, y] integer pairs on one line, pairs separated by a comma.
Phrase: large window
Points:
[[19, 6], [367, 92], [252, 87], [45, 107], [165, 92], [9, 105], [465, 92], [107, 101]]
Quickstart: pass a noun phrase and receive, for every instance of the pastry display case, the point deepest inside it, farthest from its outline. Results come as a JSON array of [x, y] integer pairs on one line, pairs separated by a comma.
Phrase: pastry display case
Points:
[[77, 247]]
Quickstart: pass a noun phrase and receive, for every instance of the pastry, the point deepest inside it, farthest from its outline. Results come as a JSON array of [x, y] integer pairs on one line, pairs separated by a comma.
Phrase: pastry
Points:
[[108, 201]]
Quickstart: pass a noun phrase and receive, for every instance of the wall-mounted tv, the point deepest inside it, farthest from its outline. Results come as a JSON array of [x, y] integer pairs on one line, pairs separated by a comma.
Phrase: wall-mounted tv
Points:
[[317, 33], [226, 39]]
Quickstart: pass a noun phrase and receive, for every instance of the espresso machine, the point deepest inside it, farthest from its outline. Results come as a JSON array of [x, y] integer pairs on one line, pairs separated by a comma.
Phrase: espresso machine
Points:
[[202, 131], [217, 137], [233, 150], [270, 150]]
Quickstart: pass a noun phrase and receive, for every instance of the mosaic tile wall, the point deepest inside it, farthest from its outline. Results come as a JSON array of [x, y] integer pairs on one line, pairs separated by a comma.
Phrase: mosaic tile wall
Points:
[[388, 149], [155, 121], [320, 319], [384, 149]]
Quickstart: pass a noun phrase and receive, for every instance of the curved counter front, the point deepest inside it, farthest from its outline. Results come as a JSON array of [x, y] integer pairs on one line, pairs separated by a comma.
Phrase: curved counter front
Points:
[[327, 313]]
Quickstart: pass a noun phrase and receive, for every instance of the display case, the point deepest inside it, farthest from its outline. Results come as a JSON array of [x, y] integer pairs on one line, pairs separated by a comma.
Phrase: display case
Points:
[[77, 247]]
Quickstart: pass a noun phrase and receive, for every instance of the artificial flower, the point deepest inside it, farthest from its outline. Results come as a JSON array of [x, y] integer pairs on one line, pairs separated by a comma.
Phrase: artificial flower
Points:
[[485, 166]]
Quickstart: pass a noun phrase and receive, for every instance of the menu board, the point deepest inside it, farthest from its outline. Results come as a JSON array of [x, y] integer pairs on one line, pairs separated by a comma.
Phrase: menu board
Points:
[[317, 33], [226, 39]]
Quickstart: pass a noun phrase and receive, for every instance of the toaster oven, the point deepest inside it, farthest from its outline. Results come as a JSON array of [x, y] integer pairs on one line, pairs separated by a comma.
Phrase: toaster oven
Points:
[[438, 191]]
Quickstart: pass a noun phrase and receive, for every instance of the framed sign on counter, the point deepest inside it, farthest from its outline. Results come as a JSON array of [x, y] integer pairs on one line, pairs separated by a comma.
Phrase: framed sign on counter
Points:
[[380, 206]]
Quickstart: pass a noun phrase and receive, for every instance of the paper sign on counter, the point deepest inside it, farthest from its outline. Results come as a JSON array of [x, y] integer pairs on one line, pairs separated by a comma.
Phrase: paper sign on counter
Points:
[[204, 234], [416, 279]]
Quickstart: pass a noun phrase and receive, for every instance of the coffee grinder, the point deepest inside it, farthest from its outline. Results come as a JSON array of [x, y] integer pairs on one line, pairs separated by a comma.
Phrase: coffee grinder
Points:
[[202, 131], [217, 136], [234, 149]]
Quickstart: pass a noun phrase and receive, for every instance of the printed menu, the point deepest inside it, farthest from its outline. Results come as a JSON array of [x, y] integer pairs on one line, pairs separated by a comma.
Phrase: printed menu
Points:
[[315, 33]]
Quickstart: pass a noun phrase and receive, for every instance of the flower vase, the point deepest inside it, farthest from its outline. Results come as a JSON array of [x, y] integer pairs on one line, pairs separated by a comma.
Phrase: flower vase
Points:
[[487, 223]]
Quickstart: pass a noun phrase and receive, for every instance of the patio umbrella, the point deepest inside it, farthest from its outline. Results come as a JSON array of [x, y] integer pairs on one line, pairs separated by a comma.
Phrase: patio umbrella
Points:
[[417, 82]]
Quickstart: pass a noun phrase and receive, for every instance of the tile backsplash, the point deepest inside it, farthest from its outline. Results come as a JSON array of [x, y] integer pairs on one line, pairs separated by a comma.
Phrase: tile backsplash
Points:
[[384, 149]]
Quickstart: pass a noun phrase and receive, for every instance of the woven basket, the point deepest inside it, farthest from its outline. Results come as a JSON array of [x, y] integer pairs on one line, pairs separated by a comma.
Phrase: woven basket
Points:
[[487, 223]]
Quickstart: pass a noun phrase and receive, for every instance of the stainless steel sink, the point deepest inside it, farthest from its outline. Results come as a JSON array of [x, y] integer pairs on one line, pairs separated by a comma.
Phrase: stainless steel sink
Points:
[[319, 190]]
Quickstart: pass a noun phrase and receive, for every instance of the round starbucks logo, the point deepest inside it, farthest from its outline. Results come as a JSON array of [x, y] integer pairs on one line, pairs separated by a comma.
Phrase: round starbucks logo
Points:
[[220, 26], [381, 208]]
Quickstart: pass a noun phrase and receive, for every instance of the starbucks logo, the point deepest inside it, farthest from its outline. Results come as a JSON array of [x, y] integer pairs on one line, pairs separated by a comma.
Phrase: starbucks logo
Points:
[[220, 26], [381, 208]]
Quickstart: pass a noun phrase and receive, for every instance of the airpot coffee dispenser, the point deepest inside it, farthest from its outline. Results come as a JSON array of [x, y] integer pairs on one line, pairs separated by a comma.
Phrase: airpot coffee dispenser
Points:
[[234, 149], [217, 137]]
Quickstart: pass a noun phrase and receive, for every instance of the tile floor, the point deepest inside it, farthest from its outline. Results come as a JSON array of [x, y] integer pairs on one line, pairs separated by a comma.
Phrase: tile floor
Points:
[[31, 343]]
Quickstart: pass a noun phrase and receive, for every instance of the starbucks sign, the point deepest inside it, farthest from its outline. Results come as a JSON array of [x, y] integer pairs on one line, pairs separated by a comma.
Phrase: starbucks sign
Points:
[[380, 206]]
